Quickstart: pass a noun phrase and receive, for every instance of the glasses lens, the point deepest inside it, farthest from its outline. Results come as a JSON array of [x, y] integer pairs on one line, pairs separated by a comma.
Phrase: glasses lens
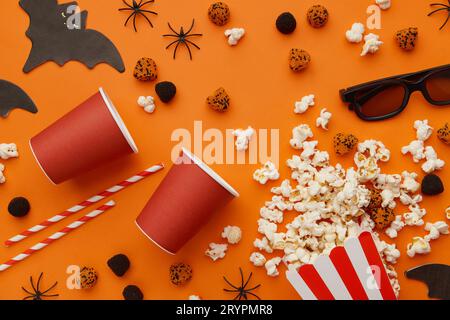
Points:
[[438, 86], [381, 100]]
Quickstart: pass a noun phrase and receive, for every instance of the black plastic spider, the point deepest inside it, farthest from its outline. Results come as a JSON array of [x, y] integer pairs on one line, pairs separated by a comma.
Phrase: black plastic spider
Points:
[[37, 294], [137, 10], [242, 289], [444, 7], [182, 38]]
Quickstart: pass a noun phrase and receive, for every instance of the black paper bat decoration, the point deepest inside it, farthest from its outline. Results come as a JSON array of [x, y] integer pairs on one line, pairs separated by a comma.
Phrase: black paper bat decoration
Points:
[[435, 276], [13, 97], [56, 38]]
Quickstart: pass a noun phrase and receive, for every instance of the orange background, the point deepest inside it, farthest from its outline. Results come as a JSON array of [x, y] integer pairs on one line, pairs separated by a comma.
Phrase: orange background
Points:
[[263, 91]]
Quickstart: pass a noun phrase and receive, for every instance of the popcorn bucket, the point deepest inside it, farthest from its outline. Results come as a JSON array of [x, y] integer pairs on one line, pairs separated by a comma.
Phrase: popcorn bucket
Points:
[[352, 272], [184, 202], [87, 137]]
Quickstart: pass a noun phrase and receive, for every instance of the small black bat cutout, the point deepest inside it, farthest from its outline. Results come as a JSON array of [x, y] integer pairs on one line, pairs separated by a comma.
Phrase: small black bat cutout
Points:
[[435, 276], [13, 97], [53, 40]]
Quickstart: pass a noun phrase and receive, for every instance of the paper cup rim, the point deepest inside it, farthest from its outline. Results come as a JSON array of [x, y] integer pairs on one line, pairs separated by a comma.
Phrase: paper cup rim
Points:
[[39, 163], [150, 238], [211, 172], [119, 121]]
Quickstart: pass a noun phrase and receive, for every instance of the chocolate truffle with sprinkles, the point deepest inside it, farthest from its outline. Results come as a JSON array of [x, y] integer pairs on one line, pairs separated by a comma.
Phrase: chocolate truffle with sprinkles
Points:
[[286, 23], [88, 278], [166, 91], [19, 207], [432, 185], [119, 264], [317, 16], [219, 13], [444, 133], [407, 38], [180, 273], [132, 292]]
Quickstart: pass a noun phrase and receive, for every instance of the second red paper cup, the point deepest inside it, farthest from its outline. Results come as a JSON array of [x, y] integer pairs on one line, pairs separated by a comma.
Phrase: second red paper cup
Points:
[[87, 137], [185, 201]]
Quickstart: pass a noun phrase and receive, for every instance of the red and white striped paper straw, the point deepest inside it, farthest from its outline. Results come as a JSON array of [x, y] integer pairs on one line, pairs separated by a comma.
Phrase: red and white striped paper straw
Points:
[[58, 235], [77, 208]]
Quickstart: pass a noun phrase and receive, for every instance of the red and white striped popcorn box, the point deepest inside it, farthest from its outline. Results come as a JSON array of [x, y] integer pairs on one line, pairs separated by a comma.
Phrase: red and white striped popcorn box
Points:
[[354, 271]]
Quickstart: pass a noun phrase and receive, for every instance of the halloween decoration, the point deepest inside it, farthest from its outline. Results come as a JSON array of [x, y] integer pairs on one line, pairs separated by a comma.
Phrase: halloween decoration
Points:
[[19, 207], [132, 292], [136, 10], [59, 34], [286, 23], [37, 294], [435, 276], [166, 91], [13, 97], [443, 7], [242, 290], [119, 264], [182, 38], [432, 185]]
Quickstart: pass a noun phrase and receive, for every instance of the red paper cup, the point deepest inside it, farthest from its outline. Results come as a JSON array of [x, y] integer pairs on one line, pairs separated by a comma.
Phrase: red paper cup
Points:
[[185, 201], [87, 137]]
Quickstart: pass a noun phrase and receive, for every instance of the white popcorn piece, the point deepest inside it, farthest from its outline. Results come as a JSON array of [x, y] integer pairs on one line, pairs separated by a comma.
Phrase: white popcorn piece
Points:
[[272, 215], [148, 103], [279, 203], [375, 149], [432, 163], [355, 34], [435, 230], [284, 189], [266, 228], [233, 234], [414, 217], [410, 184], [324, 118], [268, 172], [418, 246], [416, 148], [257, 259], [408, 200], [372, 44], [234, 35], [2, 176], [299, 135], [272, 267], [309, 149], [447, 211], [216, 251], [423, 130], [8, 150], [194, 297], [303, 105], [263, 245], [243, 138], [383, 4], [390, 252], [395, 227]]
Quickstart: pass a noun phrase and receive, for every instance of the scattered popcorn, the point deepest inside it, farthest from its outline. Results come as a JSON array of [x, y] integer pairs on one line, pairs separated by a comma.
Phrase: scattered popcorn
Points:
[[416, 148], [257, 259], [432, 163], [263, 245], [414, 217], [234, 35], [395, 227], [272, 215], [383, 4], [435, 230], [447, 211], [271, 267], [216, 251], [2, 176], [408, 200], [423, 130], [194, 297], [355, 34], [324, 118], [266, 173], [148, 103], [410, 184], [299, 135], [303, 105], [8, 150], [372, 44], [243, 138], [418, 246], [233, 234], [389, 251]]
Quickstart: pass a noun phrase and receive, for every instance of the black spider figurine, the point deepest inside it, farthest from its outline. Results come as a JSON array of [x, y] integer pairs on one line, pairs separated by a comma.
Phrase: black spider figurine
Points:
[[182, 38], [37, 294], [242, 289], [137, 9], [445, 7]]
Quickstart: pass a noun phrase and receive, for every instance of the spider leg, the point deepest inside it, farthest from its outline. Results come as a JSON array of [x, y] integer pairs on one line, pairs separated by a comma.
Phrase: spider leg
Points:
[[32, 284], [248, 280], [171, 44], [27, 291], [254, 295], [173, 30], [226, 280], [438, 4], [170, 35], [438, 10], [146, 18], [52, 287], [127, 4], [28, 297], [134, 22], [242, 278], [148, 11], [193, 35], [126, 9], [238, 297], [50, 295], [254, 288], [189, 49], [228, 290], [446, 20], [192, 27], [128, 19], [175, 51], [145, 3]]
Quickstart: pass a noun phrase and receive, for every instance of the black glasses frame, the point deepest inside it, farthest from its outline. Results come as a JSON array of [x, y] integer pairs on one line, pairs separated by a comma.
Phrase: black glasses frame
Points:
[[411, 82]]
